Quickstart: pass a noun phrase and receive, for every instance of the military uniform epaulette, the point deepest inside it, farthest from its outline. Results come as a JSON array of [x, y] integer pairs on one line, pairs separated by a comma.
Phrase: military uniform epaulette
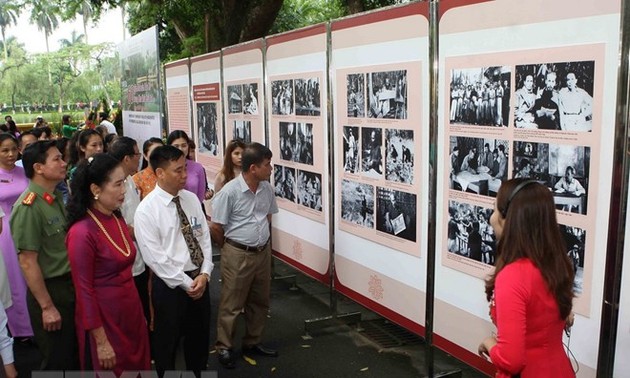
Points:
[[29, 199]]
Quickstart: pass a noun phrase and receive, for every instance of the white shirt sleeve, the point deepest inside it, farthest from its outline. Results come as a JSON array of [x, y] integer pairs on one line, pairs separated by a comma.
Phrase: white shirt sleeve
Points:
[[6, 342]]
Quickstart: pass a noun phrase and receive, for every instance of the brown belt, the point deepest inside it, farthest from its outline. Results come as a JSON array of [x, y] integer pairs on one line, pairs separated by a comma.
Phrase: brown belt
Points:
[[246, 248]]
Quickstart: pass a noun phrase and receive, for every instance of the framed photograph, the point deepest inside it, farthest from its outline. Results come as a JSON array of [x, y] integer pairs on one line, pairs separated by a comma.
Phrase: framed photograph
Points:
[[207, 128], [309, 186], [282, 97], [242, 130], [470, 234], [555, 96], [284, 182], [307, 97], [399, 155], [235, 99], [387, 94], [396, 213], [355, 95], [250, 98], [480, 96], [357, 203]]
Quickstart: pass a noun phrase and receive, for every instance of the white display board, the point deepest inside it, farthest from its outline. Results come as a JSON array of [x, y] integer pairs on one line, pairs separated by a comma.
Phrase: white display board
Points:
[[243, 82], [517, 51], [298, 136], [379, 76], [141, 98]]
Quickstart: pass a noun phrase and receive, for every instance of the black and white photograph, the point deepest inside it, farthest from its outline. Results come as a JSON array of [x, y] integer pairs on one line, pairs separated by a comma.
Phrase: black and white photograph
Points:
[[207, 128], [284, 182], [569, 168], [307, 97], [304, 144], [243, 131], [288, 141], [399, 156], [480, 96], [564, 169], [356, 95], [469, 232], [575, 241], [372, 154], [250, 98], [387, 94], [396, 213], [357, 203], [350, 149], [282, 97], [235, 99], [555, 96], [309, 190], [478, 165]]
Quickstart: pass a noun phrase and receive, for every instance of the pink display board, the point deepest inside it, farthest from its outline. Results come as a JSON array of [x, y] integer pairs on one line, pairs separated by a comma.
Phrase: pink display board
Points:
[[533, 96], [178, 95], [298, 137], [379, 67], [207, 112], [242, 91]]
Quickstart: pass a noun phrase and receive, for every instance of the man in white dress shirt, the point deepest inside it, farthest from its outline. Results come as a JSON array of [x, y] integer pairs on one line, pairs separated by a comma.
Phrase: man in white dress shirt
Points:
[[171, 231]]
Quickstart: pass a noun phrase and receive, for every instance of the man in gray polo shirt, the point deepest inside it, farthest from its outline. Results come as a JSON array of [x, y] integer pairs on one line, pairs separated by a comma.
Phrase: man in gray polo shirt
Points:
[[241, 218]]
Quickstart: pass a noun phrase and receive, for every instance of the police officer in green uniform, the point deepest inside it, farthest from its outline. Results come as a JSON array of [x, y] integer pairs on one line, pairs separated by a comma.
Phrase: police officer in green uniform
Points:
[[38, 226]]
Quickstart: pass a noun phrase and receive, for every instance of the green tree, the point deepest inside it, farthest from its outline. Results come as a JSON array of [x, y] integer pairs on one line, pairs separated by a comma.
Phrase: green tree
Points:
[[75, 39], [45, 15], [296, 14], [8, 15]]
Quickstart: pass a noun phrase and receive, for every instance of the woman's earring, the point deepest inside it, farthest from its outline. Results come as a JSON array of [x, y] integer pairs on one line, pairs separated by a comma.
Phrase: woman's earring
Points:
[[96, 197]]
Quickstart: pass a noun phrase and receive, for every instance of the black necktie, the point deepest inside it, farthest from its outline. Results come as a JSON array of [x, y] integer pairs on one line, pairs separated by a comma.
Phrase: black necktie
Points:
[[196, 255]]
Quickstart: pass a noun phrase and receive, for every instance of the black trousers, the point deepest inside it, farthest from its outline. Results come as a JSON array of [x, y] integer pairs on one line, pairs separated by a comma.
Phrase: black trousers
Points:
[[176, 316], [59, 349]]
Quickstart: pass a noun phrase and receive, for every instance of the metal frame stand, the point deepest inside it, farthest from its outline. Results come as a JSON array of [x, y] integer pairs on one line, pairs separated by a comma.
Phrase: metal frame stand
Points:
[[334, 319]]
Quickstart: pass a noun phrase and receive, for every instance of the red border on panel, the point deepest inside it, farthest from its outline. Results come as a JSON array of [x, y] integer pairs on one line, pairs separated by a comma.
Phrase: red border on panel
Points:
[[296, 34], [453, 349], [421, 8], [323, 278], [464, 355], [177, 63], [211, 55], [256, 44], [446, 5]]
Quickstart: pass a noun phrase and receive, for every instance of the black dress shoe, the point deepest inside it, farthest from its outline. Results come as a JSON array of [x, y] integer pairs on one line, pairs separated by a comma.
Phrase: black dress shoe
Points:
[[259, 350], [226, 358]]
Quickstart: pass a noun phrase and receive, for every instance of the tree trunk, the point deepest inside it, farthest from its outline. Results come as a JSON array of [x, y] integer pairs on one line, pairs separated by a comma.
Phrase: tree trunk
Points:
[[85, 22], [355, 6], [48, 51], [6, 48]]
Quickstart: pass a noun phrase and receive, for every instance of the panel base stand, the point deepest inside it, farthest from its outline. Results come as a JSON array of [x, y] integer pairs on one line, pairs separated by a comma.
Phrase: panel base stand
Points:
[[331, 321]]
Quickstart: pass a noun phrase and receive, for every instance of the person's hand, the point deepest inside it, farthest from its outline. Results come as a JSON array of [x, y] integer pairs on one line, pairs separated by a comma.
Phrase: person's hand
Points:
[[106, 355], [51, 319], [198, 287], [486, 345], [568, 322], [209, 194], [10, 371]]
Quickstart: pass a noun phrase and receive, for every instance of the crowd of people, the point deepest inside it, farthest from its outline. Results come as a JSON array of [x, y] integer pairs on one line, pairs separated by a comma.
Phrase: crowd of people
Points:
[[107, 266]]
